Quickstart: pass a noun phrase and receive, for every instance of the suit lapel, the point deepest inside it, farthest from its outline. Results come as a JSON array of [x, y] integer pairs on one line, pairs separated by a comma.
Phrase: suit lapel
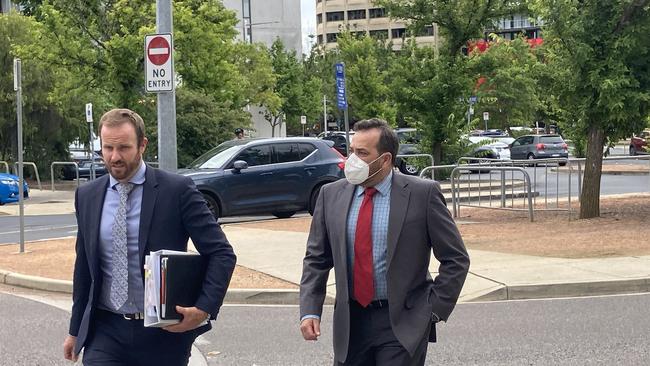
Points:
[[340, 227], [399, 199], [149, 195], [96, 206]]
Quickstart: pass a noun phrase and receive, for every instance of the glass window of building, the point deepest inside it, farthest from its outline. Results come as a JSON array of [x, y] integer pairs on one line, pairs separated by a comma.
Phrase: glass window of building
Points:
[[379, 34], [335, 16], [331, 37], [377, 13], [319, 18], [356, 14], [398, 33]]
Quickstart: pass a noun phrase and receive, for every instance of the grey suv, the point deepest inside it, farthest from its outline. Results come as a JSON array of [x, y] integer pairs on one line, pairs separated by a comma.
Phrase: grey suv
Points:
[[539, 147]]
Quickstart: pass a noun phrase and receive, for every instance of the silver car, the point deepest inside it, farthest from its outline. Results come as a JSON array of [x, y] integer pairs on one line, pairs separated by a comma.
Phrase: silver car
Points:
[[539, 147]]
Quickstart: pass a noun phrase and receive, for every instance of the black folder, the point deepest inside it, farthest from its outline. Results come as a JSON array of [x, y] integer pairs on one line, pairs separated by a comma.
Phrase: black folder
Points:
[[181, 282]]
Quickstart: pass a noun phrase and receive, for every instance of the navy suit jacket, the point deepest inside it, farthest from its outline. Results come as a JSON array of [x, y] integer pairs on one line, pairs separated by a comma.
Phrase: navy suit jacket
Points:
[[172, 211]]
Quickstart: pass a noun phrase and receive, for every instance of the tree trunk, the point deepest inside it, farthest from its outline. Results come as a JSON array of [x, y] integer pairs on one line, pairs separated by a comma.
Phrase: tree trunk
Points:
[[437, 153], [590, 197]]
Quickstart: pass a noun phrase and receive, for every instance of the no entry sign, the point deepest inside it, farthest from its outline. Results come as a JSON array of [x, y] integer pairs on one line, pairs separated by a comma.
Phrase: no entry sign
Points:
[[159, 63]]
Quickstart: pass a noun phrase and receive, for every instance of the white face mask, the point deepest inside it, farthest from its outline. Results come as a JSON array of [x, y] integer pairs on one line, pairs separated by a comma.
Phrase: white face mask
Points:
[[357, 171]]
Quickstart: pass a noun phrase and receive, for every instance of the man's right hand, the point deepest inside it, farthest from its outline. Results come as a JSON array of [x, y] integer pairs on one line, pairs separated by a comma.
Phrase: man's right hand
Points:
[[310, 329], [68, 348]]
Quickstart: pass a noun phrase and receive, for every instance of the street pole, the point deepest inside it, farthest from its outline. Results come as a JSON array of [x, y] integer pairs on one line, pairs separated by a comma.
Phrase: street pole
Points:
[[167, 145], [324, 113], [347, 131], [18, 87]]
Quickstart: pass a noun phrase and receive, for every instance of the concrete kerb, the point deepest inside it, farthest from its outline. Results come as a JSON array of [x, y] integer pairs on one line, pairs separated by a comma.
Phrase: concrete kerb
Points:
[[292, 297], [570, 289]]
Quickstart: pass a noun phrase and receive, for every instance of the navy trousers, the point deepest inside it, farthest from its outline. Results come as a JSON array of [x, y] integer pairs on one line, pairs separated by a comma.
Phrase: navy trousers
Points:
[[115, 341]]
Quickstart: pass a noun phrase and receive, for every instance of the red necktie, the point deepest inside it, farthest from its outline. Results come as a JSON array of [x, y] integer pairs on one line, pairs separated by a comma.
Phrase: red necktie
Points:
[[363, 280]]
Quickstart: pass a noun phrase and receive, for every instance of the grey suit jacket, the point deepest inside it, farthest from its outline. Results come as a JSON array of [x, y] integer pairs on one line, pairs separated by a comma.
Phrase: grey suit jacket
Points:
[[419, 222]]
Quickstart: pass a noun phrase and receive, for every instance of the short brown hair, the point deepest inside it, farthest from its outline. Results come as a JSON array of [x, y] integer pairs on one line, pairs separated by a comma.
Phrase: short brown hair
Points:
[[388, 140], [119, 116]]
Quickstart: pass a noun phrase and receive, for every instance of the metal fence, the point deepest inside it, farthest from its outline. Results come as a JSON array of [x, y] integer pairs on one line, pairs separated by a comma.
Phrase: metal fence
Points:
[[33, 165], [541, 182], [62, 163]]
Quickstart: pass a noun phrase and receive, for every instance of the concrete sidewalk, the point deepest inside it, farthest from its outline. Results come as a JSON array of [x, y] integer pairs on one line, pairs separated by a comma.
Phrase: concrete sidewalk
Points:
[[493, 276]]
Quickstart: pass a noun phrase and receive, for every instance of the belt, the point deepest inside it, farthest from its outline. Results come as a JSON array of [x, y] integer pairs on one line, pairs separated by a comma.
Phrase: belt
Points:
[[135, 316], [377, 304]]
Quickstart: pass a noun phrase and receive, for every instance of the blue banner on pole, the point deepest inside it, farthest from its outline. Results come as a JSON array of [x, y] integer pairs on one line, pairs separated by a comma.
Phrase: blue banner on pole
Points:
[[341, 94]]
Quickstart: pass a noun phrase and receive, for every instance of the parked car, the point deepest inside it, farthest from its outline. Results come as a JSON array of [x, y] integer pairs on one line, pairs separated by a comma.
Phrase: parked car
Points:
[[272, 175], [83, 160], [339, 139], [539, 147], [493, 150], [409, 144], [9, 188], [639, 144]]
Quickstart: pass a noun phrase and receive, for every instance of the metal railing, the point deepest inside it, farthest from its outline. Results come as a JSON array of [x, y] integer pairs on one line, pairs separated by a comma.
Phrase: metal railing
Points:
[[32, 164], [455, 189], [61, 163], [6, 166]]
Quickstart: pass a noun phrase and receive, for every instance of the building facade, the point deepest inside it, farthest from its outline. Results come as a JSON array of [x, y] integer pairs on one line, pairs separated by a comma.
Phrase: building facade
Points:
[[5, 5], [263, 21], [334, 16], [512, 26]]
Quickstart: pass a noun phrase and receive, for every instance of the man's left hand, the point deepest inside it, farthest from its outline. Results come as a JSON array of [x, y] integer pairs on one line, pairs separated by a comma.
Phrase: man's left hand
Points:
[[192, 318]]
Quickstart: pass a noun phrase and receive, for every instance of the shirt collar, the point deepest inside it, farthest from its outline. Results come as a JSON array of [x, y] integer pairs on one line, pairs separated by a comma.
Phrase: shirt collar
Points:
[[137, 179], [382, 187]]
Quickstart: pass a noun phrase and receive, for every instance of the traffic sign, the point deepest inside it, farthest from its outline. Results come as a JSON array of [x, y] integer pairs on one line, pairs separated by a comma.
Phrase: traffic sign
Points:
[[341, 94], [473, 99], [303, 120], [159, 63], [89, 112], [486, 115]]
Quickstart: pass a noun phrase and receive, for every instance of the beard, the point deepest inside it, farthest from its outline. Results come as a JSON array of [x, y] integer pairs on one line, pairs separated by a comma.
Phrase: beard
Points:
[[123, 169]]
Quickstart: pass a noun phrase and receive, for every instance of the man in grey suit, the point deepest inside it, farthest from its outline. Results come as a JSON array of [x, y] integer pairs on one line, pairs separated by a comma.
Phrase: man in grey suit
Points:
[[376, 229]]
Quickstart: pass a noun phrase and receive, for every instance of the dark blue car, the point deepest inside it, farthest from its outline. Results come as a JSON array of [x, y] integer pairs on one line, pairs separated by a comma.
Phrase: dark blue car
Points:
[[275, 175], [9, 188]]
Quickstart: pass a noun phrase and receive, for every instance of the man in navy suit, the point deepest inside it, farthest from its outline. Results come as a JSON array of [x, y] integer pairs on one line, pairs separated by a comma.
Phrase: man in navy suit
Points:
[[121, 217]]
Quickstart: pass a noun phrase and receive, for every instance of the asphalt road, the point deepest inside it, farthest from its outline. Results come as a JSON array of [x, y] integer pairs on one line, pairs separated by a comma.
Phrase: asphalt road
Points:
[[581, 331], [58, 226]]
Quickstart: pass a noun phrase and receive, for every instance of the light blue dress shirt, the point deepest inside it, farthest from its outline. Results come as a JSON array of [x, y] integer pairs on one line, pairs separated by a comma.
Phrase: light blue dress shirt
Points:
[[380, 213], [135, 300]]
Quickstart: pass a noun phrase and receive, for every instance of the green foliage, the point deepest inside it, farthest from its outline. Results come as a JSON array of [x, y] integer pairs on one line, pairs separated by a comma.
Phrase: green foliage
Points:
[[368, 73], [45, 131], [458, 20], [509, 69]]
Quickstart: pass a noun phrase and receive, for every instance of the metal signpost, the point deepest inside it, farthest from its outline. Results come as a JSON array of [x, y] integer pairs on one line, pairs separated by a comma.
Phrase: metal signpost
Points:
[[486, 118], [472, 100], [159, 72], [342, 100], [325, 114], [18, 88], [89, 119]]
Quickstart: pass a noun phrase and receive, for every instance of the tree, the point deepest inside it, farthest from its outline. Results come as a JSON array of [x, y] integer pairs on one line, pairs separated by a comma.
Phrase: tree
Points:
[[434, 99], [458, 20], [45, 132], [599, 51], [508, 69], [96, 46]]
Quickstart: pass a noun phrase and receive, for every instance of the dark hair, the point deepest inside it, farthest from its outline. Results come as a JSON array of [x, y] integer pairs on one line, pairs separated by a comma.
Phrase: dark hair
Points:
[[119, 116], [239, 130], [388, 140]]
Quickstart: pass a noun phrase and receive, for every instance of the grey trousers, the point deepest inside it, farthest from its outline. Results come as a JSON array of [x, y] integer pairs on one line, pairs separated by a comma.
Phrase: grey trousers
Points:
[[372, 341]]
